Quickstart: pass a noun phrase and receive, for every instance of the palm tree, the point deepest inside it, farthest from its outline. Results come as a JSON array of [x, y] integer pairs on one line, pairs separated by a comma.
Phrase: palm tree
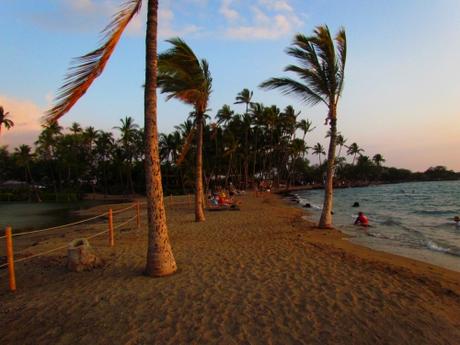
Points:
[[341, 142], [160, 259], [128, 130], [24, 157], [305, 126], [4, 121], [318, 149], [354, 150], [224, 115], [183, 76], [378, 159], [244, 97], [322, 71], [75, 128]]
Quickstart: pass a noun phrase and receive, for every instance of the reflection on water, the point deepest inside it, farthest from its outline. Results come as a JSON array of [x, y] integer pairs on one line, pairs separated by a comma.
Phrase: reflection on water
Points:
[[27, 216]]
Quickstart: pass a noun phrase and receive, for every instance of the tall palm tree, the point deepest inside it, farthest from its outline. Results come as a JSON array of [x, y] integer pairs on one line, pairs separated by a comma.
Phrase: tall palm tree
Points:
[[128, 130], [4, 121], [244, 97], [354, 150], [183, 76], [321, 71], [318, 149], [160, 259]]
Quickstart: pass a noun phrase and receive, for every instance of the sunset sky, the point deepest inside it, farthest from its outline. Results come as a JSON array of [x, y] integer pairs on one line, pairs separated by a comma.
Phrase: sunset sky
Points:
[[402, 87]]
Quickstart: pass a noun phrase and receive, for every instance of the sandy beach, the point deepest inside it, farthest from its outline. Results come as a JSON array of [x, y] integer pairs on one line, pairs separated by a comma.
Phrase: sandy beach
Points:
[[262, 275]]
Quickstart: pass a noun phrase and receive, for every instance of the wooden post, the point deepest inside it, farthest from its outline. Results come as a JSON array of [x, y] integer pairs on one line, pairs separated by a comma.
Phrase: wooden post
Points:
[[138, 214], [10, 258], [170, 199], [111, 234], [189, 199]]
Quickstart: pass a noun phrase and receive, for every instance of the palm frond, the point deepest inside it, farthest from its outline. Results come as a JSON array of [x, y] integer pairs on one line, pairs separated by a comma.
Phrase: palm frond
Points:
[[85, 69], [291, 86], [341, 40]]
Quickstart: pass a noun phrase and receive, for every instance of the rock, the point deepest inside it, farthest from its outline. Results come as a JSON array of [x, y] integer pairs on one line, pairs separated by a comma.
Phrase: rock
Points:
[[307, 205], [356, 204], [81, 256]]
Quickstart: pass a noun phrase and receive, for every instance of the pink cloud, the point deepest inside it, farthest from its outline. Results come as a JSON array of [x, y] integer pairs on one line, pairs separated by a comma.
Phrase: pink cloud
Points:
[[26, 117]]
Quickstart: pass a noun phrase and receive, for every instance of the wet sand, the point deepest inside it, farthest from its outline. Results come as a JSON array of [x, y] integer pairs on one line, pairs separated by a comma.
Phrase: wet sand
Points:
[[262, 275]]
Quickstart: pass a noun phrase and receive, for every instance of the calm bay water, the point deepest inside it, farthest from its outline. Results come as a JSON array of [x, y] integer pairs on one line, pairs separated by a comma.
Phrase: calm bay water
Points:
[[22, 215], [409, 219]]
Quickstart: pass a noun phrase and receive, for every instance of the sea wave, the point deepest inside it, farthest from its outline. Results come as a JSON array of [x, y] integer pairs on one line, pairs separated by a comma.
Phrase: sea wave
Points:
[[431, 245]]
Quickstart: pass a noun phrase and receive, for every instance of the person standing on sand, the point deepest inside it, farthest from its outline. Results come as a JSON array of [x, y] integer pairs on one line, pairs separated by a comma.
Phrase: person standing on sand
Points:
[[457, 221], [362, 220]]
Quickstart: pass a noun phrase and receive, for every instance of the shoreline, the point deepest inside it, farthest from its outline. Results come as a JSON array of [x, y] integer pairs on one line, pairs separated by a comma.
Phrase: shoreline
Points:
[[259, 275]]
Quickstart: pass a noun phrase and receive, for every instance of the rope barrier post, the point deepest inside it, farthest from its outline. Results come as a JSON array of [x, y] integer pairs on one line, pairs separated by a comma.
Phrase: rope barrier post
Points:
[[10, 258], [138, 214], [170, 199], [111, 234], [189, 199]]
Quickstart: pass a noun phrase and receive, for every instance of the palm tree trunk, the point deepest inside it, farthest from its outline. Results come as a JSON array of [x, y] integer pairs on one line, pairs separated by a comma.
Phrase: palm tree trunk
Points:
[[325, 221], [199, 204], [160, 258]]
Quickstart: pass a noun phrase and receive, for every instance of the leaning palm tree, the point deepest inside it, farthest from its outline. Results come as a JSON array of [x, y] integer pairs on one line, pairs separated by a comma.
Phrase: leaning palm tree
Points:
[[183, 76], [354, 150], [321, 71], [160, 259], [4, 121]]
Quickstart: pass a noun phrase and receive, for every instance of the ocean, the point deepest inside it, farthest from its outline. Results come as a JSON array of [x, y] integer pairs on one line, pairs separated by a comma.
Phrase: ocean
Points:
[[409, 219]]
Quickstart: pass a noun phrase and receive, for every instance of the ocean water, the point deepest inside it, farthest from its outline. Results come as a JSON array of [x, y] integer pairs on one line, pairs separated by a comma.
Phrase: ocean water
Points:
[[408, 219]]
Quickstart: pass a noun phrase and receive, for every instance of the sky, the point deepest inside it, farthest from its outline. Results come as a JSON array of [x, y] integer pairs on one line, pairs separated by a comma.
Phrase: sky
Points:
[[401, 84]]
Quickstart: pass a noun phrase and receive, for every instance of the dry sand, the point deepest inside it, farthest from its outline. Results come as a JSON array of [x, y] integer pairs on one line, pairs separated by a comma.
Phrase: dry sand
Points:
[[258, 276]]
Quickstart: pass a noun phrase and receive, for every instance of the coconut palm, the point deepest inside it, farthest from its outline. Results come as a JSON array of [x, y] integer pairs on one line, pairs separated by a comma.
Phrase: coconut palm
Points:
[[160, 259], [4, 121], [305, 126], [318, 149], [378, 159], [183, 76], [321, 71], [354, 150], [128, 130], [224, 115], [341, 142]]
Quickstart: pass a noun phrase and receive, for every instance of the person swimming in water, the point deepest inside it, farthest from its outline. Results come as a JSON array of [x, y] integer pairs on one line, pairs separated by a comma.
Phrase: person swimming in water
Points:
[[362, 220]]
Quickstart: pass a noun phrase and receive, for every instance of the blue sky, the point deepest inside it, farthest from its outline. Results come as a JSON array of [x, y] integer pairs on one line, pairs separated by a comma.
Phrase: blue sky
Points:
[[401, 79]]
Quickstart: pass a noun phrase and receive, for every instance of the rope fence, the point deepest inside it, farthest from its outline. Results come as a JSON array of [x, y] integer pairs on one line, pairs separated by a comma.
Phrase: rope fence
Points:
[[111, 228]]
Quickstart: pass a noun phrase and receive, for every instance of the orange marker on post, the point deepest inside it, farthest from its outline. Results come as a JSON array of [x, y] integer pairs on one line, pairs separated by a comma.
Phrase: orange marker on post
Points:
[[10, 258], [111, 234]]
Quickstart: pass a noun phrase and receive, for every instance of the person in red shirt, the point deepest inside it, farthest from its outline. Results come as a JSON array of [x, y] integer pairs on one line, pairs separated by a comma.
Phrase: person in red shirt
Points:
[[362, 220]]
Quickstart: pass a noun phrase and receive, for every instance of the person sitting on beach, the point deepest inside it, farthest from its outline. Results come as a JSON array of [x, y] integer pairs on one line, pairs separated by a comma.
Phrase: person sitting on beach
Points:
[[362, 220]]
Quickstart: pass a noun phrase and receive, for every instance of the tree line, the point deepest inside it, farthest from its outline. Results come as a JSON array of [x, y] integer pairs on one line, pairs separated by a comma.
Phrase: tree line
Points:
[[261, 143]]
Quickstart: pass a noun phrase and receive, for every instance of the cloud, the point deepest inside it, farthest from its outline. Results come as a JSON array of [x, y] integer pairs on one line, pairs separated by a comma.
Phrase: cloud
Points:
[[271, 19], [166, 28], [229, 13], [26, 117], [266, 24]]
